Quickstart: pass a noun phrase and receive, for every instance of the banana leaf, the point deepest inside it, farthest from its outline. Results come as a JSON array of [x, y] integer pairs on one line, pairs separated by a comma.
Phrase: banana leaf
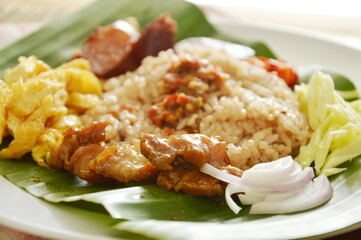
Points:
[[140, 200], [312, 222], [143, 208]]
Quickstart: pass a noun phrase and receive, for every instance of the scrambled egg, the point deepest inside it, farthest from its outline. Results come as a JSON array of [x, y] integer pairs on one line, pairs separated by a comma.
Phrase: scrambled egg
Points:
[[4, 95], [38, 104]]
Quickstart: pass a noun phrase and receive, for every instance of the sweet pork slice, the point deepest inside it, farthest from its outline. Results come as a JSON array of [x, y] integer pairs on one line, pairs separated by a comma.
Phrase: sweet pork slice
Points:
[[180, 157], [84, 153]]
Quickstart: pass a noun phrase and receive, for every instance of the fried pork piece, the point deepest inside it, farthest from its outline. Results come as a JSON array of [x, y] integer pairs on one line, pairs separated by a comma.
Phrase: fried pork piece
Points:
[[123, 163], [78, 148], [84, 153], [179, 158], [190, 180]]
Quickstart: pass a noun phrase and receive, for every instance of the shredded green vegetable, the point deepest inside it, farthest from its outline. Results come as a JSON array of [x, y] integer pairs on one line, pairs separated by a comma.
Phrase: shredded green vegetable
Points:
[[336, 125]]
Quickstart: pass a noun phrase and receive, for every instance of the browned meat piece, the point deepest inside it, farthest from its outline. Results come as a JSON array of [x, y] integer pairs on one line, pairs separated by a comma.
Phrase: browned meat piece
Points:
[[112, 51], [79, 163], [84, 153], [159, 35], [73, 139], [191, 181], [196, 149], [78, 148], [158, 151], [123, 163], [179, 158]]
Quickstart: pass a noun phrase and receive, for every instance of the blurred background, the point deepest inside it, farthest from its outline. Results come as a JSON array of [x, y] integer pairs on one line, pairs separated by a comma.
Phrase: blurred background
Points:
[[337, 19]]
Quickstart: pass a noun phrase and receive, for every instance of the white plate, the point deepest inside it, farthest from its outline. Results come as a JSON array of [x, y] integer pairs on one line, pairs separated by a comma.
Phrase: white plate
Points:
[[24, 212], [301, 47]]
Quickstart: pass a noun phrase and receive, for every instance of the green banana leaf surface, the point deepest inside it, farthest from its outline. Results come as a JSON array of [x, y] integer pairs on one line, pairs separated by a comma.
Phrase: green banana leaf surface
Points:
[[143, 210]]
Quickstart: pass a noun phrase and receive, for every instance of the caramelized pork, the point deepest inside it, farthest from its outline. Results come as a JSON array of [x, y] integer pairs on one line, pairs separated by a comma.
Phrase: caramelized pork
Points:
[[84, 153], [123, 163], [191, 181], [79, 163], [78, 148], [179, 158]]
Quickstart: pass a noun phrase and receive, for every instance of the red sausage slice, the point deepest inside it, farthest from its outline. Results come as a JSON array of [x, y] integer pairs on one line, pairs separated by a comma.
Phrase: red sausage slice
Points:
[[113, 51]]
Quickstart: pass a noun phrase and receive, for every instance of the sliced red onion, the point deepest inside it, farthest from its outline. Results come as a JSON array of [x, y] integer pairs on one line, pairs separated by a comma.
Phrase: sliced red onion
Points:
[[257, 192], [312, 195], [295, 191], [230, 190], [273, 172], [292, 183], [276, 196], [238, 51], [248, 199], [219, 174]]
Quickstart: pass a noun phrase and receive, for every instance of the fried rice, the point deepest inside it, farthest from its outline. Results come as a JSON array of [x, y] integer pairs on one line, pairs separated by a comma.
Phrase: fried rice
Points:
[[254, 111]]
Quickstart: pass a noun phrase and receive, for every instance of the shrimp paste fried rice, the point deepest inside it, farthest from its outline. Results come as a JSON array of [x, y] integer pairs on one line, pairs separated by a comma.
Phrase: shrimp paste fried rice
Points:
[[254, 111]]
